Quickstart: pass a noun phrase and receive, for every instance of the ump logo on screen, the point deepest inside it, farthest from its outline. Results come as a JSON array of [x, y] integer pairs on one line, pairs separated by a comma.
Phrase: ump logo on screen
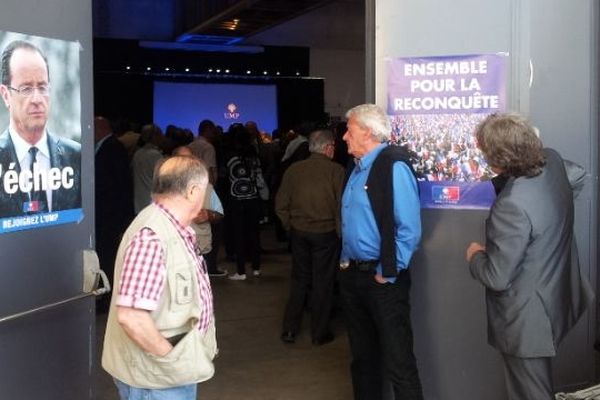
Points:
[[231, 112], [445, 194]]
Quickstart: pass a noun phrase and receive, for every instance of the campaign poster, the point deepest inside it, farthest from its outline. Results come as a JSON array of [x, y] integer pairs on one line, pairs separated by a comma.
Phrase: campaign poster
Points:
[[435, 105], [40, 132]]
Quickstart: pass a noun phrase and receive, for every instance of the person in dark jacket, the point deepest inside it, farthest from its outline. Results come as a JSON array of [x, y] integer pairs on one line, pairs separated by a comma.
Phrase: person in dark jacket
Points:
[[308, 203]]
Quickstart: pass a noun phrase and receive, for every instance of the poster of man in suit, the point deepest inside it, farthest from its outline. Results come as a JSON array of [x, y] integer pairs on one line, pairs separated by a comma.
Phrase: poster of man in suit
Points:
[[40, 132]]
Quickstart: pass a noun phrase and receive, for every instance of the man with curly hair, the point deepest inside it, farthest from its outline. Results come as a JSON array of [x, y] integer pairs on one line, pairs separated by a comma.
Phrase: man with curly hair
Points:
[[529, 265]]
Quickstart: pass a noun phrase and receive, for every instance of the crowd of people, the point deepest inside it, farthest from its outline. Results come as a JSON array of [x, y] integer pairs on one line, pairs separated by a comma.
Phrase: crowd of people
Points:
[[160, 334], [159, 229], [443, 146], [245, 166]]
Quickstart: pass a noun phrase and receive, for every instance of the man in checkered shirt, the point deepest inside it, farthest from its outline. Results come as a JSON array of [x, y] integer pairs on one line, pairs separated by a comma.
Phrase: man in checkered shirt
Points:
[[160, 333]]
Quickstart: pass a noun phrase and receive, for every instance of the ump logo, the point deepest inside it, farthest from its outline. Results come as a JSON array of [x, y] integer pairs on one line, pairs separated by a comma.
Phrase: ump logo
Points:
[[445, 194], [231, 112]]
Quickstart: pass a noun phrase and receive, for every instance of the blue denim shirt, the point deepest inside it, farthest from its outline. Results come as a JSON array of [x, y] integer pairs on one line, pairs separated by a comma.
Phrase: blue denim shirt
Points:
[[360, 235]]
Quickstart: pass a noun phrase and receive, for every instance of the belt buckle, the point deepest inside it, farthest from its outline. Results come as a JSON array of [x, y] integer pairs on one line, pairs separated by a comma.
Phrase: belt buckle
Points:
[[344, 264]]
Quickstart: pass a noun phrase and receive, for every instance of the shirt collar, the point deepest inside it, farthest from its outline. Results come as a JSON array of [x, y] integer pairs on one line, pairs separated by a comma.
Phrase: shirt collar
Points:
[[22, 147], [186, 233], [99, 142], [319, 156], [367, 160]]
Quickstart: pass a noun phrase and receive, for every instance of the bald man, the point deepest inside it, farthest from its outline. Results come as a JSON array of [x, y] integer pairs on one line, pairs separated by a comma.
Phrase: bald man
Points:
[[211, 213], [160, 333]]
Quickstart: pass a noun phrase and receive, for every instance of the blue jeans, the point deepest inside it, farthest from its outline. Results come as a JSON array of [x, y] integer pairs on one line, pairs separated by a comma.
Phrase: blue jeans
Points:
[[126, 392]]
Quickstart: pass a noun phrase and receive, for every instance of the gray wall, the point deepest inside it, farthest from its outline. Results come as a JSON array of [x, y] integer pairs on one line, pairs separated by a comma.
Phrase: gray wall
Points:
[[563, 102], [48, 355], [559, 37]]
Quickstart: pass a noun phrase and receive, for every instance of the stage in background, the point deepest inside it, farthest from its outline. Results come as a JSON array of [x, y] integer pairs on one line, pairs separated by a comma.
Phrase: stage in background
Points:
[[185, 104]]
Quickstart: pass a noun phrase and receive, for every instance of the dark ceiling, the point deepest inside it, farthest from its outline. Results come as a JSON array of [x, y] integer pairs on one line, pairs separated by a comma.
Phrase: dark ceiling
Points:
[[229, 22], [337, 24]]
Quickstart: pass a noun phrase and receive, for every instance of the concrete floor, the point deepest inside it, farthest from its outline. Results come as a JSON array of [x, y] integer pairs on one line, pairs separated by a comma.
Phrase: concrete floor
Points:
[[253, 364]]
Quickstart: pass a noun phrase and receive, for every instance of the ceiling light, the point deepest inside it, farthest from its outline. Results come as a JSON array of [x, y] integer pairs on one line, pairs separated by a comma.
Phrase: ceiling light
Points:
[[218, 71], [248, 72], [148, 68], [187, 70], [210, 70], [231, 25], [128, 68], [226, 71]]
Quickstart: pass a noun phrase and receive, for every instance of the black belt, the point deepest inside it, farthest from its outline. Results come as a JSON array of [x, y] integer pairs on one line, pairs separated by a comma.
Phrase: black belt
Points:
[[363, 265]]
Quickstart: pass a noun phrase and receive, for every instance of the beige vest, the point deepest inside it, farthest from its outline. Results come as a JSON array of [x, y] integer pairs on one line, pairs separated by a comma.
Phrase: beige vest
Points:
[[178, 312]]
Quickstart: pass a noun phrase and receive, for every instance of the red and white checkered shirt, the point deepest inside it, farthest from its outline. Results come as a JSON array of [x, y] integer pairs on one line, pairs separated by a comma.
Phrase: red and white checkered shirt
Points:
[[144, 271]]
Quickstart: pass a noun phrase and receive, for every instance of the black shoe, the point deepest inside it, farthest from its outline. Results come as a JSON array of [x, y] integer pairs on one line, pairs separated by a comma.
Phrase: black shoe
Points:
[[288, 337], [218, 272], [327, 338]]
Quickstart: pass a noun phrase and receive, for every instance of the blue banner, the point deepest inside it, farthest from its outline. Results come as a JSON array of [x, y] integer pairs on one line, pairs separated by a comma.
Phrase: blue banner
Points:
[[456, 194], [435, 105], [14, 224]]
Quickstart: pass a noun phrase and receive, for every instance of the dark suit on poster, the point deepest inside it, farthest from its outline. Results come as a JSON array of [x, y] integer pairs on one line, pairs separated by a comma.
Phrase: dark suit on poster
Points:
[[535, 292], [63, 153]]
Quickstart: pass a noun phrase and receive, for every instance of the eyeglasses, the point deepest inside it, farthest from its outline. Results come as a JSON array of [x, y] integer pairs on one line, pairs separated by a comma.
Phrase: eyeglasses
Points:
[[28, 91]]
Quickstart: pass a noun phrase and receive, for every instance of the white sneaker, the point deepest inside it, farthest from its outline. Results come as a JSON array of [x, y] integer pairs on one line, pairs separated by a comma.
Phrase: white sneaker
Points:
[[256, 273], [237, 277]]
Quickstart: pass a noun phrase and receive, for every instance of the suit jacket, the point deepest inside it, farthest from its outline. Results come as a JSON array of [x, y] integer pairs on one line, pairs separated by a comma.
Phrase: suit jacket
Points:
[[63, 153], [534, 289], [113, 187]]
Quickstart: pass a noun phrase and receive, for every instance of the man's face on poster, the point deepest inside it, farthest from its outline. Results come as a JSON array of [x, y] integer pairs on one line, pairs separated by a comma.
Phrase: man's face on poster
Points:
[[27, 95]]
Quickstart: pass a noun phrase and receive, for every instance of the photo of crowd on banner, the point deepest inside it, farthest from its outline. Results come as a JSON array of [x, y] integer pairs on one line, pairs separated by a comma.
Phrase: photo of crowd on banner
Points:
[[443, 146]]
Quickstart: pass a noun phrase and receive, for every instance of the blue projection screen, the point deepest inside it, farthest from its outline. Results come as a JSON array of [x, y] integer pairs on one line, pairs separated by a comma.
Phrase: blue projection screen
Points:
[[186, 104]]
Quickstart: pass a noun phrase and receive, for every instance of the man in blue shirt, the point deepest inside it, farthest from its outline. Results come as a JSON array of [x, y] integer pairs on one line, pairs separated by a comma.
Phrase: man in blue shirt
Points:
[[381, 229]]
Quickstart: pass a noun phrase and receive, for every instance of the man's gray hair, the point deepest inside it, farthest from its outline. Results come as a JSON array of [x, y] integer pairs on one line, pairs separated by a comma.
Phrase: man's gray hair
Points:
[[150, 133], [371, 116], [319, 140], [174, 175]]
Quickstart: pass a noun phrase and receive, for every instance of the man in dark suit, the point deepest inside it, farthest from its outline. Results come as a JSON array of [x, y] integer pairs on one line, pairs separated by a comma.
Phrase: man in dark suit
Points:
[[535, 292], [40, 172], [114, 197]]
